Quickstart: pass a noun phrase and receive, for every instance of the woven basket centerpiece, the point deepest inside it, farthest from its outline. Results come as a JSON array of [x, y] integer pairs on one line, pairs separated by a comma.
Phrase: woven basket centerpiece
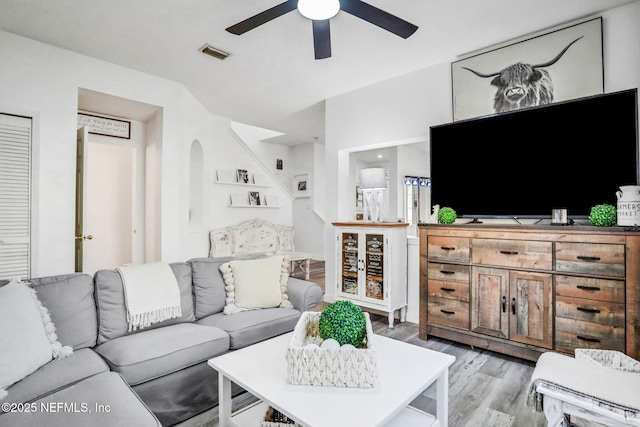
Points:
[[339, 367]]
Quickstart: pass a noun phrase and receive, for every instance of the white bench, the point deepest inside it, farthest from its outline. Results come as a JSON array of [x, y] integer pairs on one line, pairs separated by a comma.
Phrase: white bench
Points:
[[258, 236]]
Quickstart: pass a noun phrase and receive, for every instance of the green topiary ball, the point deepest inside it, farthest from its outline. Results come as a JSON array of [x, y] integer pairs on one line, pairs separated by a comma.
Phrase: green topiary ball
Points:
[[447, 215], [344, 322], [603, 215]]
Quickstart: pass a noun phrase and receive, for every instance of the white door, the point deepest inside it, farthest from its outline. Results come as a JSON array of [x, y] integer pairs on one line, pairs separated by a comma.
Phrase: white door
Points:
[[15, 197], [106, 209]]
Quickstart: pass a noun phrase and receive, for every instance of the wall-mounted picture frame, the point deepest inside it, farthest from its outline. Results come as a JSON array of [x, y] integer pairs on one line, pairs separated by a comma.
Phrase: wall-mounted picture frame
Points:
[[224, 176], [302, 185], [259, 179], [254, 198], [242, 176], [271, 200], [556, 66]]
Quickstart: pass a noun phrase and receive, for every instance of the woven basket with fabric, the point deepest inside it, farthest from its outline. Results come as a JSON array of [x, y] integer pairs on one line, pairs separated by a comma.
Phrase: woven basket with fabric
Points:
[[328, 367]]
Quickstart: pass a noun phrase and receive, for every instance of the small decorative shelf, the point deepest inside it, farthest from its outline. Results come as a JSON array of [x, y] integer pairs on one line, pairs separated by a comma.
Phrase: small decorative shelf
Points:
[[247, 184]]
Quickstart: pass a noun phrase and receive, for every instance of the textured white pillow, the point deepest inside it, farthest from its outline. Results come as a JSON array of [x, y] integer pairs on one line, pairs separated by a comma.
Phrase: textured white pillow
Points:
[[27, 335], [256, 283]]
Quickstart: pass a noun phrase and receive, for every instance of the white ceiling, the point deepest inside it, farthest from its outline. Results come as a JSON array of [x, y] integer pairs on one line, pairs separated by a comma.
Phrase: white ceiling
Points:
[[271, 79]]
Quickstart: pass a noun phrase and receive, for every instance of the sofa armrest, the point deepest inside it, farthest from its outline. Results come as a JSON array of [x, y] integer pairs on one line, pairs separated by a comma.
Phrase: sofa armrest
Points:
[[304, 295]]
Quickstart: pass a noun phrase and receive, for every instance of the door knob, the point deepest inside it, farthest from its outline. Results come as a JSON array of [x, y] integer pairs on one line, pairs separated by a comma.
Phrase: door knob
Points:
[[89, 237]]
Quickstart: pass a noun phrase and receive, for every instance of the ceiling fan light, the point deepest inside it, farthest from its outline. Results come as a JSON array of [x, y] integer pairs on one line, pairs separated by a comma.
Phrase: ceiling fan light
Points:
[[318, 9]]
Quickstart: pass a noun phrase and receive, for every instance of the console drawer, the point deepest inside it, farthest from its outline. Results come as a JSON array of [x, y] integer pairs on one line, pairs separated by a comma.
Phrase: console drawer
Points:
[[590, 288], [448, 289], [572, 334], [448, 272], [590, 258], [513, 253], [449, 312], [604, 313], [448, 248]]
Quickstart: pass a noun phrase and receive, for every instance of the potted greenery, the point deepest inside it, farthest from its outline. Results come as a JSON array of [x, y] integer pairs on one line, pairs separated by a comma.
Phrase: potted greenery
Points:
[[603, 215], [447, 215], [344, 322]]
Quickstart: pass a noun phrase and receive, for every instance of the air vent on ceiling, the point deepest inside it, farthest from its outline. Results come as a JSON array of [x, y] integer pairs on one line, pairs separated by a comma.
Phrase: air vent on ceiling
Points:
[[212, 51]]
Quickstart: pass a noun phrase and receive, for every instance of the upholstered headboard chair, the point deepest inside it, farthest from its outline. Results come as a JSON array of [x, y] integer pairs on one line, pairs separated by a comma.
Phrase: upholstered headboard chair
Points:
[[258, 236]]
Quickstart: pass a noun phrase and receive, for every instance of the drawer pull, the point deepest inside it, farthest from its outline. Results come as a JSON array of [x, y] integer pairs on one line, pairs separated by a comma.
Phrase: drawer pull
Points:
[[509, 252], [513, 306], [448, 289], [589, 310], [448, 248], [587, 339], [504, 304], [448, 312], [588, 288], [588, 258], [447, 272]]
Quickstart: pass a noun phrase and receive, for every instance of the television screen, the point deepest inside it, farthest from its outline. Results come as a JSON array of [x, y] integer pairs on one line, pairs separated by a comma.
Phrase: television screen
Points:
[[568, 155]]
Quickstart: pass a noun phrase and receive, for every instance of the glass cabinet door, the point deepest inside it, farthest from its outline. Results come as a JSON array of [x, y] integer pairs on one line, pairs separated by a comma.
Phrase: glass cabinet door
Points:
[[349, 266], [374, 263]]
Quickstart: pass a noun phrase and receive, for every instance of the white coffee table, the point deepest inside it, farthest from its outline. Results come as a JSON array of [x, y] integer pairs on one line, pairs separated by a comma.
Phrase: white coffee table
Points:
[[404, 371]]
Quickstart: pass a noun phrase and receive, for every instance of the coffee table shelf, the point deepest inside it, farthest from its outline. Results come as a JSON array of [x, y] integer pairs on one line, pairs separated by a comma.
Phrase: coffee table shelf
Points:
[[251, 415], [404, 372]]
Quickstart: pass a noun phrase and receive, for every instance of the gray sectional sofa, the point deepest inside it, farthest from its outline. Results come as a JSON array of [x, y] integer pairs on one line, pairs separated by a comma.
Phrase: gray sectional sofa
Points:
[[153, 376]]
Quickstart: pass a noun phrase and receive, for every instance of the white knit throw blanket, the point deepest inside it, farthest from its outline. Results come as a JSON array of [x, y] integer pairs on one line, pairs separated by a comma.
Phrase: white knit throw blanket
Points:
[[614, 389], [151, 294]]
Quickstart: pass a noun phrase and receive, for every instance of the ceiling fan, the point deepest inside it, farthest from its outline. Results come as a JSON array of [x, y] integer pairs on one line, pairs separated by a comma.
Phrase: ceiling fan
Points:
[[320, 12]]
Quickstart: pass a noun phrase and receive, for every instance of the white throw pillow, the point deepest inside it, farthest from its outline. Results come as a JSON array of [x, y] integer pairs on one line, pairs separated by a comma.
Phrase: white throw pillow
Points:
[[256, 283], [27, 335]]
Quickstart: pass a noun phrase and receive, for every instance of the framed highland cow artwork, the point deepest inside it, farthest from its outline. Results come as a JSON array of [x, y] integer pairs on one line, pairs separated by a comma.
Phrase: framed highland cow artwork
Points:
[[556, 66]]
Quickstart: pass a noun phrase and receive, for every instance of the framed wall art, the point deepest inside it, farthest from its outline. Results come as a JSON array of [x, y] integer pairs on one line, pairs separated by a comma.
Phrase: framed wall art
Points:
[[557, 66], [302, 185]]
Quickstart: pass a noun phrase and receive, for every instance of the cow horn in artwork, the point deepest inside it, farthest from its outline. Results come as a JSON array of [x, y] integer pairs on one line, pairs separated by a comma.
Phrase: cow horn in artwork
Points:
[[554, 60], [546, 64]]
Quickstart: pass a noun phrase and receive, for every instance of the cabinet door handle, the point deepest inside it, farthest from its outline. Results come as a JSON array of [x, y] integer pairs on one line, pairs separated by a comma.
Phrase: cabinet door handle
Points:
[[504, 304], [587, 339], [448, 289], [509, 252], [588, 258], [513, 305], [448, 248], [589, 310], [588, 288], [447, 272], [448, 312]]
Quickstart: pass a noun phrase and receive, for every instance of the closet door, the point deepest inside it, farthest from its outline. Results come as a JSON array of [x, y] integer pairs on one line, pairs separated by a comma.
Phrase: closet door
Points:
[[15, 196]]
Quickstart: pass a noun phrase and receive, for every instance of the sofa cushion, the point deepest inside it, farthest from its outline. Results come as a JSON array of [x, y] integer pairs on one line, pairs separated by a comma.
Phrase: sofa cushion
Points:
[[249, 327], [255, 284], [27, 335], [156, 352], [112, 312], [56, 375], [72, 307], [208, 285], [104, 400]]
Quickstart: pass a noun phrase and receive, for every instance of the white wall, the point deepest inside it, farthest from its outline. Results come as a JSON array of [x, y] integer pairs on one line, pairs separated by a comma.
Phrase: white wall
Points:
[[43, 81], [402, 109]]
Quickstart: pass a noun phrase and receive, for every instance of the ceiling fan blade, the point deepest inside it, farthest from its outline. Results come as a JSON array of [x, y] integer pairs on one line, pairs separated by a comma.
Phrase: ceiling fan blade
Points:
[[263, 17], [322, 38], [378, 17]]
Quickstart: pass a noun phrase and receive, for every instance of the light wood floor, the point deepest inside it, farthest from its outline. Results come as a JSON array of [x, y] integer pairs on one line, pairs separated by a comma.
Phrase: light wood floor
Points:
[[486, 389]]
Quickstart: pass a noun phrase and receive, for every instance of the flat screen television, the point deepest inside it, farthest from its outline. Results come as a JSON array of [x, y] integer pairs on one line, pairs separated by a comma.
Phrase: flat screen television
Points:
[[523, 164]]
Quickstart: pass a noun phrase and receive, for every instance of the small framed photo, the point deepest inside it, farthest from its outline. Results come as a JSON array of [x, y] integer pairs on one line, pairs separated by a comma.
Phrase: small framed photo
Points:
[[254, 198], [238, 199], [259, 179], [243, 176], [559, 217], [302, 185], [271, 200], [224, 175]]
